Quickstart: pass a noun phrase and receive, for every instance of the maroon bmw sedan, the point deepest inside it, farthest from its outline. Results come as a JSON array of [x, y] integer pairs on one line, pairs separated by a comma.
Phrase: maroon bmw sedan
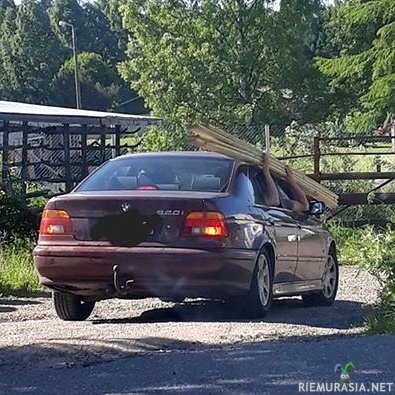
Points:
[[178, 225]]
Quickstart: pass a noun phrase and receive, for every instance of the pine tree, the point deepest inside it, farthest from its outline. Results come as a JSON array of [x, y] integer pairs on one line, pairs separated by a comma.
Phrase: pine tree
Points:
[[360, 61]]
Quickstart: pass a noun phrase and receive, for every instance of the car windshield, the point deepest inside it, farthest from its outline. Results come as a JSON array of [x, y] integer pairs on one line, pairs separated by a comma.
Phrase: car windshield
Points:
[[164, 173]]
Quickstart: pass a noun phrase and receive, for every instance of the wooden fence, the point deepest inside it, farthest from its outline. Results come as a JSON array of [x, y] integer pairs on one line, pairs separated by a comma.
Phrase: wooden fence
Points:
[[46, 158]]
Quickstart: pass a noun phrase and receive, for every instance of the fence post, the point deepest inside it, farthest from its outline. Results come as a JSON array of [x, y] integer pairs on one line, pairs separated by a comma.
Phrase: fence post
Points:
[[103, 145], [25, 142], [5, 164], [117, 140], [267, 139], [67, 164], [84, 167], [392, 132], [317, 156]]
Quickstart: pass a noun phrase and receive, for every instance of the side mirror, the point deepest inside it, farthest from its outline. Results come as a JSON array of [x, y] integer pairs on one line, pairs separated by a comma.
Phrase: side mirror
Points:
[[316, 208]]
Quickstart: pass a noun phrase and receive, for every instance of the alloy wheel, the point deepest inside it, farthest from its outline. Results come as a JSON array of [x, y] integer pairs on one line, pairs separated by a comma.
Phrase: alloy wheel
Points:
[[329, 277], [264, 282]]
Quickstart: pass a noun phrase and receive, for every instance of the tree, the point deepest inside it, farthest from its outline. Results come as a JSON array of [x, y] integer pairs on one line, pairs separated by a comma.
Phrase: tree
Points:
[[98, 31], [7, 27], [97, 80], [360, 61], [30, 53], [230, 63]]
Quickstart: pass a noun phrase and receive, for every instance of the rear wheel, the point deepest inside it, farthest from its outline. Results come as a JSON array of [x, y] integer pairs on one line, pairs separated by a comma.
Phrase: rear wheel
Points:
[[71, 307], [330, 281], [260, 297]]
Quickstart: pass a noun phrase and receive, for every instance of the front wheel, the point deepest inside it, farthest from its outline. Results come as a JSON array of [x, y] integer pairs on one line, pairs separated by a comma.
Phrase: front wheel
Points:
[[260, 297], [330, 281], [71, 307]]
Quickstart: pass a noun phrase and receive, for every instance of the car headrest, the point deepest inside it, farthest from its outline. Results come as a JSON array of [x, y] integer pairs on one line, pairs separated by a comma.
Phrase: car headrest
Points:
[[144, 179], [206, 182], [128, 182]]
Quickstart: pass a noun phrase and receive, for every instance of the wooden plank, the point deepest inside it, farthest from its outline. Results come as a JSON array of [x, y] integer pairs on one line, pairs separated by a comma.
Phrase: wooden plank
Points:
[[357, 176], [67, 165], [25, 146], [117, 140], [217, 140], [360, 198], [5, 149], [84, 166]]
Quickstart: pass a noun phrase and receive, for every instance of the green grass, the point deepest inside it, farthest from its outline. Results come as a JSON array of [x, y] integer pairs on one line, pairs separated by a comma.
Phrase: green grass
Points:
[[349, 243], [372, 250], [382, 318], [17, 274]]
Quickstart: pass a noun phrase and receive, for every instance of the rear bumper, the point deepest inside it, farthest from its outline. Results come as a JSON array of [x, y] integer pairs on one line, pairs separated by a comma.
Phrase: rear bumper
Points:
[[154, 271]]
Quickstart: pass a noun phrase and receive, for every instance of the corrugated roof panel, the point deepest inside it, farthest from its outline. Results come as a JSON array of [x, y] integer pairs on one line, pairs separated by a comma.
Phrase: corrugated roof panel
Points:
[[14, 111]]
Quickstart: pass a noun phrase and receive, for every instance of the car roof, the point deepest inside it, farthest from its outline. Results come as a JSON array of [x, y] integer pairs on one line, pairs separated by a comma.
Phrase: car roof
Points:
[[200, 154]]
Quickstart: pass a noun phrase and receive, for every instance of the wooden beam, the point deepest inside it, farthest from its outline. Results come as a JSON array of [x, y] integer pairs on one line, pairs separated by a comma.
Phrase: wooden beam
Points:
[[359, 198], [67, 165], [217, 140], [5, 150], [356, 176]]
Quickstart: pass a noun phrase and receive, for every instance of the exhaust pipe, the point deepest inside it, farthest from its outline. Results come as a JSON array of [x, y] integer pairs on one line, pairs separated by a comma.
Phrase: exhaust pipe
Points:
[[122, 289]]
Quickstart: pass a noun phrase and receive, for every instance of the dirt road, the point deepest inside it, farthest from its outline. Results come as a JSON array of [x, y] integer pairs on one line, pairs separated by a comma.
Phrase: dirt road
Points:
[[32, 335]]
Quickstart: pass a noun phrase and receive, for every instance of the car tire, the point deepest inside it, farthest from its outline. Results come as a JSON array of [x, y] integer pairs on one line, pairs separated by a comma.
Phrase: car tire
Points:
[[260, 297], [71, 307], [330, 282]]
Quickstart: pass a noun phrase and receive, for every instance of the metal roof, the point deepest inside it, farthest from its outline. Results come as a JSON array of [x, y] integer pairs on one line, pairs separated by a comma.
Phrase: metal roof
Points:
[[14, 111]]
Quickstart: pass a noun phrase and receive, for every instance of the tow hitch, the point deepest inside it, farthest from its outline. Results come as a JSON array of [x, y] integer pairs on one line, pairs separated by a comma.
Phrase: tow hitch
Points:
[[125, 288]]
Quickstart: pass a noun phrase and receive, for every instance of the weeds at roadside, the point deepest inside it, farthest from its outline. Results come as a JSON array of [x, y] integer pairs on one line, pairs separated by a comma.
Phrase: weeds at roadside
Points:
[[17, 274], [376, 255]]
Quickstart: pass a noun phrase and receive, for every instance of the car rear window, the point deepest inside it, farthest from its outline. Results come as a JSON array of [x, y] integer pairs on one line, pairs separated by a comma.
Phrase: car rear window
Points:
[[163, 173]]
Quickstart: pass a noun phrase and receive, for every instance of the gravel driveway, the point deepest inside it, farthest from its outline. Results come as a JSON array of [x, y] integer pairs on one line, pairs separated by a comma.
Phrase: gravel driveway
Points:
[[32, 335]]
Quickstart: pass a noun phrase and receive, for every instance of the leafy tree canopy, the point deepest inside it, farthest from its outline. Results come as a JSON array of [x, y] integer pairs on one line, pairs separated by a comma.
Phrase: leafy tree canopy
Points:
[[231, 62], [34, 50], [29, 53], [97, 81], [360, 60]]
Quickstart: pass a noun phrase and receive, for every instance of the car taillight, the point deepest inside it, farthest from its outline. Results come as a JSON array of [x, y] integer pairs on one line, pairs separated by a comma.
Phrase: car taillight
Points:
[[147, 188], [205, 224], [55, 222]]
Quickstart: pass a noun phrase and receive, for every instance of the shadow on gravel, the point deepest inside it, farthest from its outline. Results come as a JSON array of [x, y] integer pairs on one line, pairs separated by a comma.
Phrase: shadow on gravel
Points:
[[342, 315], [22, 292], [18, 302], [161, 365], [6, 309]]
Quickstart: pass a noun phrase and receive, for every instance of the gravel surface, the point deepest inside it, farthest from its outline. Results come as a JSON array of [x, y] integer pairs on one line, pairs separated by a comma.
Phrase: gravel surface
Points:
[[33, 337]]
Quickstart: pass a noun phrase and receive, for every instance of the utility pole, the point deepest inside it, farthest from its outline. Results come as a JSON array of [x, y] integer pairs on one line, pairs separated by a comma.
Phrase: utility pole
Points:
[[76, 76]]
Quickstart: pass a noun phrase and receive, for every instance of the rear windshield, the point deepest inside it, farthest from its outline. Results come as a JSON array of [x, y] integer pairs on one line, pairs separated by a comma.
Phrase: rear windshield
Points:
[[163, 173]]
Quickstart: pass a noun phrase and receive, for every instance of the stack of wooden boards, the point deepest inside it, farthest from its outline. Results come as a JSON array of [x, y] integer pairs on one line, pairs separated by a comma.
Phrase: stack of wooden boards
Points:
[[217, 140]]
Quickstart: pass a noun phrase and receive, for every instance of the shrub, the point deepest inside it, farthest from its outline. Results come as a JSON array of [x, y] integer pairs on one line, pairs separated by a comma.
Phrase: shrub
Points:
[[377, 256], [348, 241], [16, 217], [372, 249]]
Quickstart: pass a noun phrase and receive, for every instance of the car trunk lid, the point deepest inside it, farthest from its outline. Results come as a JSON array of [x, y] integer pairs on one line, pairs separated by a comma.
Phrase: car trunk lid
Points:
[[133, 217]]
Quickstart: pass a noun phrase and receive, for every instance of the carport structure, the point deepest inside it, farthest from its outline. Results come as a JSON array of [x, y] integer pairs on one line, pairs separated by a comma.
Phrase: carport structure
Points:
[[59, 146]]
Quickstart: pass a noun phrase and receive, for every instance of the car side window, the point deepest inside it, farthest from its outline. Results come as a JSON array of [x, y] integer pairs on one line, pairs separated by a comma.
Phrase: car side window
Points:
[[258, 184], [243, 184], [285, 193]]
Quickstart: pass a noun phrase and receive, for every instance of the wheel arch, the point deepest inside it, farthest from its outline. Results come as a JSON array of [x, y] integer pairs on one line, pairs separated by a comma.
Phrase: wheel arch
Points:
[[332, 247], [268, 247]]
